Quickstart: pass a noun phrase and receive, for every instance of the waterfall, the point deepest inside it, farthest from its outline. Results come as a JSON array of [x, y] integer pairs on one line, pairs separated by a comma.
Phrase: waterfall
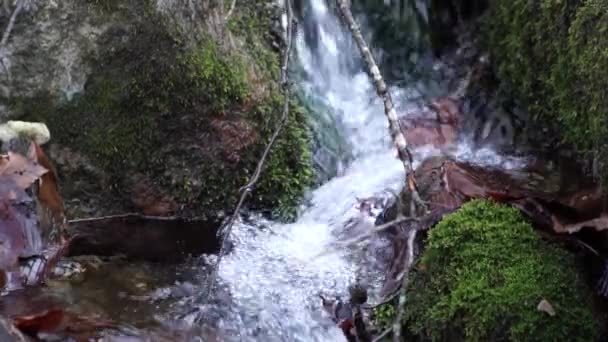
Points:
[[273, 273]]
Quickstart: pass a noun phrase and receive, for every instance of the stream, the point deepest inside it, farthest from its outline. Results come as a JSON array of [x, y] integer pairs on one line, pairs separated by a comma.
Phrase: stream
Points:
[[274, 273], [268, 283]]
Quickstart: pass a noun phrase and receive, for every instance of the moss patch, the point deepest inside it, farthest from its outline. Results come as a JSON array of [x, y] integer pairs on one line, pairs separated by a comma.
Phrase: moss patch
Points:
[[552, 54], [481, 277]]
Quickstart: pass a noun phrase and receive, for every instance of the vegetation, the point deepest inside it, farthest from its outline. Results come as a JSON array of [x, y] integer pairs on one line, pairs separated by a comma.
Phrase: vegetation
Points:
[[481, 277], [551, 54], [153, 97]]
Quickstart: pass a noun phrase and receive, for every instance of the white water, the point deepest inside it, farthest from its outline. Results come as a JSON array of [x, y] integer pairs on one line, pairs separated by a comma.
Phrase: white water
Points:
[[272, 274]]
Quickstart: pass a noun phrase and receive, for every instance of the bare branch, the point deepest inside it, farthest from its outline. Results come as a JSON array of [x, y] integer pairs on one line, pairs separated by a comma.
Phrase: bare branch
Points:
[[409, 261], [246, 189], [11, 23], [231, 10], [383, 335], [397, 136], [134, 214]]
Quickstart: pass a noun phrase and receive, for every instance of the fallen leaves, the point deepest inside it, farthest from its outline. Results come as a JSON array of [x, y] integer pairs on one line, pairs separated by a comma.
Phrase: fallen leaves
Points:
[[17, 169], [50, 201], [27, 226]]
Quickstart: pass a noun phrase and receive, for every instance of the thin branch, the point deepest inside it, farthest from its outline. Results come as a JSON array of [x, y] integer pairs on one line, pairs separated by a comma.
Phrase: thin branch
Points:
[[383, 335], [232, 9], [397, 136], [11, 23], [402, 297], [384, 301], [245, 190], [109, 217]]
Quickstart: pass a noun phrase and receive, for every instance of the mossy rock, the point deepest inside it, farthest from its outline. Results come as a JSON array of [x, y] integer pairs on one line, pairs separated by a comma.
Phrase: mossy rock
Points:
[[482, 276], [187, 114], [551, 55]]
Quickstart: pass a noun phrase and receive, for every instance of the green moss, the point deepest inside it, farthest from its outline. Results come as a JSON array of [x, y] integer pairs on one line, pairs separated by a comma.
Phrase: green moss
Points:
[[485, 271], [551, 54], [288, 173], [219, 80]]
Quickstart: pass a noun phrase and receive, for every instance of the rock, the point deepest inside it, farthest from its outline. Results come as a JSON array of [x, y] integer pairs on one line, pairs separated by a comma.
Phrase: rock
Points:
[[162, 89], [133, 236], [150, 200], [37, 132]]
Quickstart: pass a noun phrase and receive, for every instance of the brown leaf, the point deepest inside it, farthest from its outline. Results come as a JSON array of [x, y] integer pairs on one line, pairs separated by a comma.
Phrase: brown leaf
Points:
[[23, 171], [51, 203], [546, 307]]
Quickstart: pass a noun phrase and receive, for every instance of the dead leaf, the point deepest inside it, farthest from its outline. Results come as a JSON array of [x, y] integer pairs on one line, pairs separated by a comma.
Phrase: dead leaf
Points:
[[51, 203], [23, 171], [546, 307], [57, 321]]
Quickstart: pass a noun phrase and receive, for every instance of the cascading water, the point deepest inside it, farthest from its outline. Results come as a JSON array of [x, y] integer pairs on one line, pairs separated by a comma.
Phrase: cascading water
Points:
[[274, 273]]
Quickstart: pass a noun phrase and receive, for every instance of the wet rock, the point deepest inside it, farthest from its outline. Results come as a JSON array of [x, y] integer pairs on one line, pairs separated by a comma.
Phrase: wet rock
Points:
[[436, 126], [149, 199], [133, 236]]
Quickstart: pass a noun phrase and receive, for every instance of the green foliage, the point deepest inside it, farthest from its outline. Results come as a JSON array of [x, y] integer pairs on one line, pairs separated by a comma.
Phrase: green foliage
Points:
[[552, 54], [485, 271]]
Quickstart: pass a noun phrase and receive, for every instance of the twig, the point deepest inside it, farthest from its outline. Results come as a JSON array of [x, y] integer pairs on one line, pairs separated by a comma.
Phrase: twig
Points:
[[383, 335], [232, 9], [384, 301], [11, 23], [109, 217], [245, 190], [402, 297]]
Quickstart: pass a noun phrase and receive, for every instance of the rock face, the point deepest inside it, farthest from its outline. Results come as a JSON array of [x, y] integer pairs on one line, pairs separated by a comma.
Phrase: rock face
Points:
[[548, 54], [157, 106]]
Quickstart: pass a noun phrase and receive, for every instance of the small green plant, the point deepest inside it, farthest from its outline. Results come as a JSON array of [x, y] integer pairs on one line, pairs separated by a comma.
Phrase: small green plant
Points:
[[482, 276]]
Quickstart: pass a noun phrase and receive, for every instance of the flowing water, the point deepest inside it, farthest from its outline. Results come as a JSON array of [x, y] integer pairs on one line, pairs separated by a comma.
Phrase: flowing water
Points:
[[269, 281], [273, 274]]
